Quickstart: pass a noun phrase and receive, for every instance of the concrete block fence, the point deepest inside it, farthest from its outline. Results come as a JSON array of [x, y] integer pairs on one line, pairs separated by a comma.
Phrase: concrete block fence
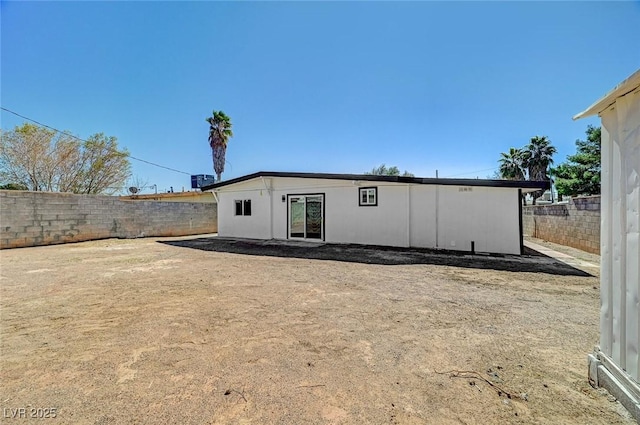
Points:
[[575, 224], [44, 218]]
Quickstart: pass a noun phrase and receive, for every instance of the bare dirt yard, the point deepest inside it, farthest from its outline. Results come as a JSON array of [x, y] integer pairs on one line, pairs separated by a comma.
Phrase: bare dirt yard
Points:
[[212, 331]]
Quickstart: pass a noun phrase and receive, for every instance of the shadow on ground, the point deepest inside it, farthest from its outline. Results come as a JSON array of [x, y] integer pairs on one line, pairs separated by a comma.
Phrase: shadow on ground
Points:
[[531, 261]]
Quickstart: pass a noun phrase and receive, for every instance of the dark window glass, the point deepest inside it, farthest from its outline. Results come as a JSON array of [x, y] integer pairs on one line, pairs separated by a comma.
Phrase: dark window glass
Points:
[[238, 207], [368, 196], [247, 207]]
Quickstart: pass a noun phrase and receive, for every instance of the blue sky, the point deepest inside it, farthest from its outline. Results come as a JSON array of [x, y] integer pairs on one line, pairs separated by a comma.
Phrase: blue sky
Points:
[[316, 86]]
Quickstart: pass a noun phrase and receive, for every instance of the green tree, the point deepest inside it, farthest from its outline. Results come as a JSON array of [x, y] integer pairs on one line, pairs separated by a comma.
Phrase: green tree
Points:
[[102, 168], [580, 174], [511, 165], [29, 154], [537, 157], [13, 186], [46, 160], [219, 134], [382, 170]]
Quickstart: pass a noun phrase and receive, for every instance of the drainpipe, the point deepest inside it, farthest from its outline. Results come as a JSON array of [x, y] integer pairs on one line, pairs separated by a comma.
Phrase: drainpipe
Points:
[[437, 207]]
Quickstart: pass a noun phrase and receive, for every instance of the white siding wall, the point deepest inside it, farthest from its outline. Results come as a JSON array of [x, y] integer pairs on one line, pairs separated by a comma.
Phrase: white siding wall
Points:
[[257, 225], [423, 216], [385, 224], [345, 220], [488, 216], [620, 234], [283, 187], [405, 215]]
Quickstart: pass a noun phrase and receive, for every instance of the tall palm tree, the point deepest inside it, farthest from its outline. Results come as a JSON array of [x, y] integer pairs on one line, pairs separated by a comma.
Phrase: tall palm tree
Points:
[[219, 134], [537, 157], [511, 165]]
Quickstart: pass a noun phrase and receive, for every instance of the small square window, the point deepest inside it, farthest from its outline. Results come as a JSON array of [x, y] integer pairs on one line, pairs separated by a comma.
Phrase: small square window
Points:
[[368, 197], [243, 207]]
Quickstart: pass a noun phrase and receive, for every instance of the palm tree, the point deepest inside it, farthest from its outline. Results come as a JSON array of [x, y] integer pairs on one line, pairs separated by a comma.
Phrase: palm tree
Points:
[[511, 165], [219, 134], [537, 157]]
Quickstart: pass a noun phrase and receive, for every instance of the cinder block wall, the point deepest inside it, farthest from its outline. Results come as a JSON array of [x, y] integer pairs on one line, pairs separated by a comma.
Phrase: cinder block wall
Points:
[[575, 224], [43, 218]]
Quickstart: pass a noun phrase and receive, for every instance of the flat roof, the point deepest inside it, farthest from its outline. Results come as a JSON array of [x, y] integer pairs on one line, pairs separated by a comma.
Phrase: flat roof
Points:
[[527, 186], [627, 86]]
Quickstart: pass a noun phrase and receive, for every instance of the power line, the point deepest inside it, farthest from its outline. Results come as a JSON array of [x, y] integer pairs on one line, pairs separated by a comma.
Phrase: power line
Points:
[[83, 140], [472, 172]]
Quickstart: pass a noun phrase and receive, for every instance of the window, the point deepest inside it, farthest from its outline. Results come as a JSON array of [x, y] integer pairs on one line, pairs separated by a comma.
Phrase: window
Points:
[[368, 197], [243, 207]]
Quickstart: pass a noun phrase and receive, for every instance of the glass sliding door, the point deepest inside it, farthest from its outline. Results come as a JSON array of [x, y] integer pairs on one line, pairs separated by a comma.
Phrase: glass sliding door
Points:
[[306, 217], [313, 217], [296, 217]]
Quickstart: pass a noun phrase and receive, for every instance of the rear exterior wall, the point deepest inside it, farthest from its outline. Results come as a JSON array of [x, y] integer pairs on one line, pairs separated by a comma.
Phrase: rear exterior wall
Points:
[[407, 215]]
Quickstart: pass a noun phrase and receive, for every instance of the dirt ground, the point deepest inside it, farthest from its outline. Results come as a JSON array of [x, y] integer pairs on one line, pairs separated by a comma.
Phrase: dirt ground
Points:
[[208, 331]]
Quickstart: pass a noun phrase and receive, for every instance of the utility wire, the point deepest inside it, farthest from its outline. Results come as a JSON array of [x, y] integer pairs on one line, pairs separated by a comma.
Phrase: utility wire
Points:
[[472, 172], [82, 140]]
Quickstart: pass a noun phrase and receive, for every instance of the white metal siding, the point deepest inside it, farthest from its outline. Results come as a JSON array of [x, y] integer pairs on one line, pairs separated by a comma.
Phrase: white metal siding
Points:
[[620, 234], [346, 221], [254, 226], [406, 215], [423, 216], [385, 224], [487, 216]]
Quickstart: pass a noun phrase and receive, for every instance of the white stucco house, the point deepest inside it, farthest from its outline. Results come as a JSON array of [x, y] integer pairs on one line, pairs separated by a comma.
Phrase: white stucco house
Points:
[[454, 214], [615, 363]]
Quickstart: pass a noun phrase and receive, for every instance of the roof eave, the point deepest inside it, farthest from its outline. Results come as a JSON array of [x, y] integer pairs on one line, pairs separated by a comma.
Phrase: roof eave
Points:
[[527, 186], [604, 103]]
